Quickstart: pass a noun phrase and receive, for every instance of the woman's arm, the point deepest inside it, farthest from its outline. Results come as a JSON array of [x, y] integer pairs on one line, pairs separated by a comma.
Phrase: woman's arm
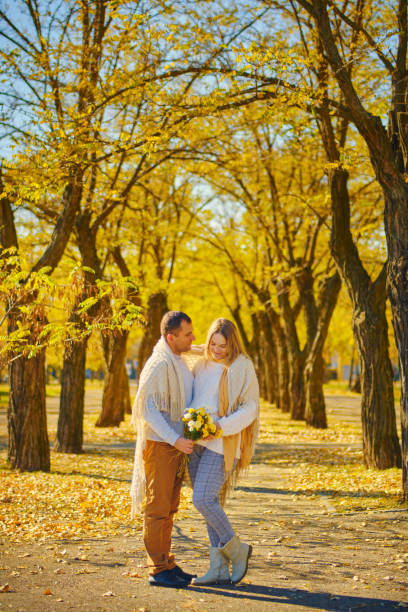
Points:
[[248, 401], [238, 420]]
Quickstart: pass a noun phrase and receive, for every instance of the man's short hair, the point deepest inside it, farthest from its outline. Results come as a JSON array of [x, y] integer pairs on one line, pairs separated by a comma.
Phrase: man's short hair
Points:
[[172, 321]]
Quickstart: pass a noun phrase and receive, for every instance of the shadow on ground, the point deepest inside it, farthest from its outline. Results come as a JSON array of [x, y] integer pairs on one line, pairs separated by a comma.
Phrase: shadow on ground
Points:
[[299, 597]]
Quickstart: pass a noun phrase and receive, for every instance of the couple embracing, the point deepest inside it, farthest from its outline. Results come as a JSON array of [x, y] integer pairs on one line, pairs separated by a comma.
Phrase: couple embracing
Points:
[[224, 382]]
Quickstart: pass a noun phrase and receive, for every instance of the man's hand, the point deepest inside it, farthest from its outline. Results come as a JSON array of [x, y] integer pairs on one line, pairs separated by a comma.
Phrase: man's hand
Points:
[[184, 445]]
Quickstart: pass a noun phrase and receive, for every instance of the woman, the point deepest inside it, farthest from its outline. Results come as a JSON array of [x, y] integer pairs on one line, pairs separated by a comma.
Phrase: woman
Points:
[[226, 385]]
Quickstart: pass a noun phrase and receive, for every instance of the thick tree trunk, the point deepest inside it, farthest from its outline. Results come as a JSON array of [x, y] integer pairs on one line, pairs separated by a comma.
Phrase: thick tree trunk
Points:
[[115, 397], [315, 411], [397, 287], [157, 307], [398, 291], [29, 448], [27, 420], [380, 440], [71, 411], [389, 158]]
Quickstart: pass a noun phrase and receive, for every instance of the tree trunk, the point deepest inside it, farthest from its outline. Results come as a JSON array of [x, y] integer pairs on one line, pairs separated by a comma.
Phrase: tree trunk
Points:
[[267, 365], [389, 158], [351, 377], [157, 307], [125, 392], [315, 411], [296, 356], [269, 373], [115, 400], [273, 327], [255, 349], [71, 414], [29, 448], [27, 418], [71, 411], [380, 440], [397, 292], [297, 385], [283, 369]]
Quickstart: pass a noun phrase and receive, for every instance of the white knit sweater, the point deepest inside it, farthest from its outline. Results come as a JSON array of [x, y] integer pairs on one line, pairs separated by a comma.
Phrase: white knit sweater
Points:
[[206, 393]]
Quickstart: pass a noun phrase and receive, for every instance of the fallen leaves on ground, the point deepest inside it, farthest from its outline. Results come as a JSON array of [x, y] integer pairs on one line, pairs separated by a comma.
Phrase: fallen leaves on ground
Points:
[[88, 494], [327, 462], [83, 495]]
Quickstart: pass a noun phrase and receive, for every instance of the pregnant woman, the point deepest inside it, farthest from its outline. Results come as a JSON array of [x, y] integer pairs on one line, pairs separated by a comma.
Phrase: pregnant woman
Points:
[[226, 385]]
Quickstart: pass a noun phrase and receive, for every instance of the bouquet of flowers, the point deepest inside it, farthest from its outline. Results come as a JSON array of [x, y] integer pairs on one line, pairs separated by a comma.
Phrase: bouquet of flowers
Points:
[[198, 424]]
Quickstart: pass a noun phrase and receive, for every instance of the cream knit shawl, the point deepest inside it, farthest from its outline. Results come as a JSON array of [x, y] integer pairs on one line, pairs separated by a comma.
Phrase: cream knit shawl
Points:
[[242, 388], [162, 381]]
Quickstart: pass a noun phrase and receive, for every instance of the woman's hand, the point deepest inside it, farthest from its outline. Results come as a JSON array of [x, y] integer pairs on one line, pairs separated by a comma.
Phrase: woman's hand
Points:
[[213, 436]]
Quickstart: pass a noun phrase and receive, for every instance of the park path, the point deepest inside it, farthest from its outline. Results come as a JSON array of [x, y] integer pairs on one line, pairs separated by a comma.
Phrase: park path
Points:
[[306, 557]]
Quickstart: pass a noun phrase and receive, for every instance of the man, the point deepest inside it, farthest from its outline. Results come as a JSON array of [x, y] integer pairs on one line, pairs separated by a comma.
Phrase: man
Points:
[[165, 389]]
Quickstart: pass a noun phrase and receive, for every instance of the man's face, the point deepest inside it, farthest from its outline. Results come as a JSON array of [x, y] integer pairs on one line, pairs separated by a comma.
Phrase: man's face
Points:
[[181, 339]]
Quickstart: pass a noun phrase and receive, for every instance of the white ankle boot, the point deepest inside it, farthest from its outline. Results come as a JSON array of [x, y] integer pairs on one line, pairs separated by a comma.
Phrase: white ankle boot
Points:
[[238, 553], [218, 572]]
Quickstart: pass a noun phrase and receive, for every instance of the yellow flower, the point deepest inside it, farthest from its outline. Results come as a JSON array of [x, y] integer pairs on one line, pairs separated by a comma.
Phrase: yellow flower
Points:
[[191, 410]]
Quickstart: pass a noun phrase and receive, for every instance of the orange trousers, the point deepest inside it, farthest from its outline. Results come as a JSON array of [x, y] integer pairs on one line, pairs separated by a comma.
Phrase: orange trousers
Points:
[[162, 462]]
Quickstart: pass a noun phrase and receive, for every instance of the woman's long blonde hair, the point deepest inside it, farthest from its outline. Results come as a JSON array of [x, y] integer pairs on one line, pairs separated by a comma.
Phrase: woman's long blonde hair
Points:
[[234, 344]]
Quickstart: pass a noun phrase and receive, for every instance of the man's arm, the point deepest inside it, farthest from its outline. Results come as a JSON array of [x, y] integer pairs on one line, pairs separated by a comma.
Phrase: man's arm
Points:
[[158, 423]]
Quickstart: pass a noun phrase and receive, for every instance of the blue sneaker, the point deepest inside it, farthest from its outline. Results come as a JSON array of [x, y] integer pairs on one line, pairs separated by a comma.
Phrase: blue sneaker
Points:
[[183, 575], [167, 578]]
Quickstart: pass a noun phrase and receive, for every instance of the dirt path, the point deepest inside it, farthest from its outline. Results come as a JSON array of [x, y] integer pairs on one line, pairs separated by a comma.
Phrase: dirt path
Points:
[[306, 557]]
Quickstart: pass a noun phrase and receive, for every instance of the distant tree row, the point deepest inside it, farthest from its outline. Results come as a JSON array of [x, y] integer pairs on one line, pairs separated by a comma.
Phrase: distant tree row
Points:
[[247, 160]]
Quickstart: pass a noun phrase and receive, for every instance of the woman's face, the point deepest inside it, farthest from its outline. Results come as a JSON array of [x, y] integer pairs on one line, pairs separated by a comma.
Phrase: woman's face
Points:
[[218, 347]]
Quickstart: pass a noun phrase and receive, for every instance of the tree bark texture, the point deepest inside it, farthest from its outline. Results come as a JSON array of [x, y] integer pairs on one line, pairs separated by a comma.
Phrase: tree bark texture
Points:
[[28, 436], [115, 400], [156, 308], [397, 288], [389, 158], [71, 412], [380, 439], [284, 402], [27, 419], [315, 411], [296, 357]]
